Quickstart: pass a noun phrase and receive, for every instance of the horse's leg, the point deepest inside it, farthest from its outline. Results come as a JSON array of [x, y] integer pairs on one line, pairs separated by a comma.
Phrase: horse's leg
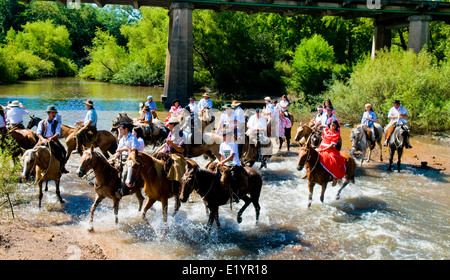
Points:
[[40, 194], [257, 208], [391, 157], [164, 203], [247, 201], [381, 149], [338, 195], [97, 201], [322, 194], [399, 154], [58, 194], [116, 209], [147, 206], [177, 205], [311, 188], [370, 154], [140, 198], [46, 186]]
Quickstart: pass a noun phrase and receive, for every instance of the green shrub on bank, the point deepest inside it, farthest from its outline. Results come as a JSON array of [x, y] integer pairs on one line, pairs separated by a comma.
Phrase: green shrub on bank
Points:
[[418, 81]]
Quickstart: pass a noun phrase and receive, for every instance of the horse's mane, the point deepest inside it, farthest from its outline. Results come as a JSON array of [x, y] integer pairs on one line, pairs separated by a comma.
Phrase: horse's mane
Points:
[[157, 163]]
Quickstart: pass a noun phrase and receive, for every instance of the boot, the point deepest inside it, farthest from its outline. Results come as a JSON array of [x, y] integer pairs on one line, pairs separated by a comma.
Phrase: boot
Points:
[[385, 143], [281, 143], [288, 145]]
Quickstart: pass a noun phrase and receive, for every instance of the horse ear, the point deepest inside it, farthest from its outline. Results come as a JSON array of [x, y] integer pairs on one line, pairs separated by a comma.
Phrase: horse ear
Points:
[[92, 148]]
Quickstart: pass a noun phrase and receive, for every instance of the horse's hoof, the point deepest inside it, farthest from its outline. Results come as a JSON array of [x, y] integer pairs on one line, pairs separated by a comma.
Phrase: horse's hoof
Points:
[[239, 219], [90, 230]]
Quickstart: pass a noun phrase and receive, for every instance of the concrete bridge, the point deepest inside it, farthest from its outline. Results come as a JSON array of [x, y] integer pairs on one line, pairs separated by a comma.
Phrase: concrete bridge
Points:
[[388, 14]]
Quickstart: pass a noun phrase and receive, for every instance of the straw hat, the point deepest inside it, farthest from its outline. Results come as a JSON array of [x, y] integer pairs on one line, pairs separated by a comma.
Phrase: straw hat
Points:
[[267, 98], [89, 102], [235, 103], [206, 94], [173, 120], [15, 103]]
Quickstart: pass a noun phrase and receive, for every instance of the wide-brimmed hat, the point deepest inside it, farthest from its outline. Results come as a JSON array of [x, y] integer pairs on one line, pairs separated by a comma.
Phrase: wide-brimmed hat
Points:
[[396, 101], [267, 98], [51, 108], [191, 98], [89, 102], [173, 119], [227, 106], [206, 94], [15, 103], [235, 103]]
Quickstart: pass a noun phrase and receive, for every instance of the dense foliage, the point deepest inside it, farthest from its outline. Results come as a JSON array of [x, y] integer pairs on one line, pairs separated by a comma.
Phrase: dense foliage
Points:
[[236, 55]]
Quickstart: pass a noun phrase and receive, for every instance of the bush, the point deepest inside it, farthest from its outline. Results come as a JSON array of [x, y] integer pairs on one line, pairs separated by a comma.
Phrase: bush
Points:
[[9, 174], [9, 69], [422, 85]]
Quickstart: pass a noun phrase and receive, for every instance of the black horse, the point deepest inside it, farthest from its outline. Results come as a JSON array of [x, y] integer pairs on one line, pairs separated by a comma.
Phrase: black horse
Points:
[[398, 140]]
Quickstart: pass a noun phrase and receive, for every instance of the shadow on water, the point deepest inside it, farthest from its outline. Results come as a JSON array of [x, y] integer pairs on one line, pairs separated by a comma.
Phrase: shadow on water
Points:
[[355, 208]]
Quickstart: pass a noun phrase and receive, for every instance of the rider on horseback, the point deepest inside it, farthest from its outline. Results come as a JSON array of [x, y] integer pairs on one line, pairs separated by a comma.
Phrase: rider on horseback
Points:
[[48, 131], [15, 113], [89, 128], [229, 156], [368, 118], [397, 115]]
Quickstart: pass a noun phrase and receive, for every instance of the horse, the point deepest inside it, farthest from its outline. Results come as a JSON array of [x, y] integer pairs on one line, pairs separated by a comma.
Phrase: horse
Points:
[[251, 152], [308, 157], [46, 167], [207, 118], [65, 129], [156, 185], [26, 138], [215, 191], [107, 182], [303, 133], [104, 140], [360, 141], [398, 140]]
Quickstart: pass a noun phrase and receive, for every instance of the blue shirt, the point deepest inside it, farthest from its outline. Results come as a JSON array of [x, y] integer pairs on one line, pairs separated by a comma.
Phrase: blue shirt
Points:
[[151, 105], [49, 132], [91, 116], [371, 115]]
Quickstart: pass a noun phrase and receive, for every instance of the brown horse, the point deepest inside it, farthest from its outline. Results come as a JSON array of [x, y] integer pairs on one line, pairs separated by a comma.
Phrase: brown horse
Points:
[[303, 132], [107, 181], [215, 190], [207, 119], [156, 185], [250, 152], [104, 140], [26, 138], [46, 167], [316, 173]]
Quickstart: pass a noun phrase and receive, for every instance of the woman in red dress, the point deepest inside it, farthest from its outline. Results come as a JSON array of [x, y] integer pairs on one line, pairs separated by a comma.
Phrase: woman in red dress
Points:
[[330, 158]]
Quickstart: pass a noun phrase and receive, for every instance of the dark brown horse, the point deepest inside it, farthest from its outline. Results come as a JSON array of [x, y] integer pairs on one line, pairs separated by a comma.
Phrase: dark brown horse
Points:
[[156, 185], [215, 190], [104, 140], [107, 182], [308, 157], [398, 140]]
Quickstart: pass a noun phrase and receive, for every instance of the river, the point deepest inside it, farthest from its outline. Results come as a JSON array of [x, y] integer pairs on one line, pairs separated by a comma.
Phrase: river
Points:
[[382, 216]]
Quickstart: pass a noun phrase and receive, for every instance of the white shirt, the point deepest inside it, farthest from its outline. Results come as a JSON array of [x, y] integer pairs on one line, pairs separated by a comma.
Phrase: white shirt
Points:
[[226, 149], [49, 132], [193, 107], [205, 103], [257, 123], [141, 144], [226, 120], [130, 142], [395, 112], [270, 109], [325, 120], [15, 115], [284, 104]]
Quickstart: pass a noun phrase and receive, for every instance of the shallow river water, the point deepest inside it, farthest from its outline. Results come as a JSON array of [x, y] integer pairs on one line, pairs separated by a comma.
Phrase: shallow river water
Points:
[[382, 216]]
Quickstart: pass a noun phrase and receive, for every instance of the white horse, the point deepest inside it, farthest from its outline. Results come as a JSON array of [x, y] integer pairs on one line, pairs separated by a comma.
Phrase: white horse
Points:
[[361, 143]]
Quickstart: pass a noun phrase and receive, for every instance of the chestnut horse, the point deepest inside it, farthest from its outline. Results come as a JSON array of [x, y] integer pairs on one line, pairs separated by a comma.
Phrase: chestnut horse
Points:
[[156, 185], [303, 132], [104, 140], [46, 167], [215, 191], [107, 182], [308, 157]]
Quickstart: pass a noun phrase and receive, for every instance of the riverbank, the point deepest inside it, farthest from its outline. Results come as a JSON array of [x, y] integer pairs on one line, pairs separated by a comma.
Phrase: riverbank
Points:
[[60, 239]]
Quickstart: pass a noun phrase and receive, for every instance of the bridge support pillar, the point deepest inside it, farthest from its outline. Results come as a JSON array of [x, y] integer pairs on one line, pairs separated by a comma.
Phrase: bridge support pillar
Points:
[[381, 37], [179, 76], [419, 32]]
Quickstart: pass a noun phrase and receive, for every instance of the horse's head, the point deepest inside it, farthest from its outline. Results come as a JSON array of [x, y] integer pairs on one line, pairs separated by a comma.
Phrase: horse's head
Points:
[[302, 158], [316, 138], [356, 135], [34, 121], [28, 162], [401, 134], [303, 131], [86, 162], [206, 114], [188, 180]]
